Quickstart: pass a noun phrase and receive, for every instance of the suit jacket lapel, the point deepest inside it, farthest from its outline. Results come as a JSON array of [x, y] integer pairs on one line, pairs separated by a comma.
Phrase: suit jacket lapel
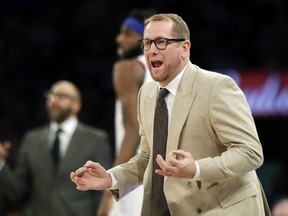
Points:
[[150, 111], [72, 148], [44, 151], [182, 104]]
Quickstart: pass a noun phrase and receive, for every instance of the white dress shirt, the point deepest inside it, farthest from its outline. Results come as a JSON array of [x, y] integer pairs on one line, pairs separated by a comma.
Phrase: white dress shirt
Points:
[[68, 128], [169, 99]]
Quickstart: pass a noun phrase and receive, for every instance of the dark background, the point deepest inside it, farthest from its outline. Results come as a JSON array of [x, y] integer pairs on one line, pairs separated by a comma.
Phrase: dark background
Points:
[[42, 41]]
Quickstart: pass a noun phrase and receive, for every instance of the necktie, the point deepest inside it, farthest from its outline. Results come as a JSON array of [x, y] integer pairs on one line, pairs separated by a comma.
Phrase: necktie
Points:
[[159, 205], [56, 148]]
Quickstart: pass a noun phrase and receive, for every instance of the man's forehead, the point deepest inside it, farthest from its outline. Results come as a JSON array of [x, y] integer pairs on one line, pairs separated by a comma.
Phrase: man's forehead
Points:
[[63, 87]]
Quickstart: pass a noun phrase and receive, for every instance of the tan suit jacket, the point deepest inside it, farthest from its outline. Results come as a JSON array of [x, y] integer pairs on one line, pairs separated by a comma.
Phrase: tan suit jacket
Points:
[[212, 120]]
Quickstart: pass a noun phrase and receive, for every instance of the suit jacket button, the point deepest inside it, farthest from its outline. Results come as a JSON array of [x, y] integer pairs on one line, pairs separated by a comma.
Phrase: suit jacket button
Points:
[[199, 210]]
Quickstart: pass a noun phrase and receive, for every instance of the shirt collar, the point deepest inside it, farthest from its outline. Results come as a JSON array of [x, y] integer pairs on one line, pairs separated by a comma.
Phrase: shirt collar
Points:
[[68, 127], [173, 85]]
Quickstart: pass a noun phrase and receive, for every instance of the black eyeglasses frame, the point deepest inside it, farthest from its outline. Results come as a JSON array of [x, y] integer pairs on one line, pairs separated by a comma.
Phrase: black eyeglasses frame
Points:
[[167, 41]]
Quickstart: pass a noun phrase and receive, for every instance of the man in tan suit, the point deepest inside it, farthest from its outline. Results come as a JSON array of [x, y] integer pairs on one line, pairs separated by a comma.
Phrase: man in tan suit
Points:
[[212, 147]]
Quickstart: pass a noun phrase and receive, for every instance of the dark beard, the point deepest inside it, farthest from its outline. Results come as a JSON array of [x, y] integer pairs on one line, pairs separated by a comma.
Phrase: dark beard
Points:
[[134, 52], [63, 116]]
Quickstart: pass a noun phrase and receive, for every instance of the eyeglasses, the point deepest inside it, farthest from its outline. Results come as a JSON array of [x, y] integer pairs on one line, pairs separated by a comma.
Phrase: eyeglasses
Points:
[[52, 95], [160, 43]]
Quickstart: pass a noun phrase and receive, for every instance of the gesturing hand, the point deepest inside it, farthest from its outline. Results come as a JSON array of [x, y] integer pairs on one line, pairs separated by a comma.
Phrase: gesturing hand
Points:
[[92, 176], [178, 164], [4, 149]]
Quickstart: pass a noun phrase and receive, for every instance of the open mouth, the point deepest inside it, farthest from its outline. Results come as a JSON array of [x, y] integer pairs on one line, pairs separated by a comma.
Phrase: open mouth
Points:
[[156, 64]]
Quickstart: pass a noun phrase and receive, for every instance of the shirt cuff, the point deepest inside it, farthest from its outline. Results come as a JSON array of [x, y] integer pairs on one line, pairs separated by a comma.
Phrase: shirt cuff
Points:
[[197, 174], [113, 178]]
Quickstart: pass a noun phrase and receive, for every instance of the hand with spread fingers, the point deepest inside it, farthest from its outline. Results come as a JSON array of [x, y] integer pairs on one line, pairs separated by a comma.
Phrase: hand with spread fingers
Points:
[[179, 164], [92, 176]]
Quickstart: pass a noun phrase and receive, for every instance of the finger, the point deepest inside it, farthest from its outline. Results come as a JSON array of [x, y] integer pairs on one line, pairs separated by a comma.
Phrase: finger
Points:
[[174, 157], [81, 188], [161, 162], [88, 163], [172, 160], [165, 168], [72, 175], [178, 154], [81, 184], [181, 155], [161, 172], [79, 172], [91, 164]]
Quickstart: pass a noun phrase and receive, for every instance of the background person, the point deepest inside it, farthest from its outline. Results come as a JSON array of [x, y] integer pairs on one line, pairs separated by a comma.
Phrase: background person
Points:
[[129, 73], [280, 208], [47, 183]]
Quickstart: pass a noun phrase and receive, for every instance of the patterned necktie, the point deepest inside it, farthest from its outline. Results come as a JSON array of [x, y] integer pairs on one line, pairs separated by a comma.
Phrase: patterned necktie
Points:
[[56, 148], [159, 205]]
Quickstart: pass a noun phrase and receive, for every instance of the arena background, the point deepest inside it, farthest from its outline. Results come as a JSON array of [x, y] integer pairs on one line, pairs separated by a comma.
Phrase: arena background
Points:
[[42, 41]]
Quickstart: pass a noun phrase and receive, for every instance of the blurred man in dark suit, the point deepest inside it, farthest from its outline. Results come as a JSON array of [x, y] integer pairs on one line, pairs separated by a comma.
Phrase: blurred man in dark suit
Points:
[[48, 154]]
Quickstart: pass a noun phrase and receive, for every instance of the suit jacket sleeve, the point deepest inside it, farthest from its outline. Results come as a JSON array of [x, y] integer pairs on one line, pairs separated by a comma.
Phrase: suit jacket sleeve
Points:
[[130, 174], [234, 126], [14, 183]]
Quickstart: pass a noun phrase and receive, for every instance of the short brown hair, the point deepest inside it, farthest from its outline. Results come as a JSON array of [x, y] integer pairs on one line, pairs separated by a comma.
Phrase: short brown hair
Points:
[[180, 28]]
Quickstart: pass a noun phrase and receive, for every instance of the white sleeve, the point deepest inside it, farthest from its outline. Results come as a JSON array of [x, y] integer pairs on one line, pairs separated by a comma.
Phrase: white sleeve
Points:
[[197, 174], [113, 178]]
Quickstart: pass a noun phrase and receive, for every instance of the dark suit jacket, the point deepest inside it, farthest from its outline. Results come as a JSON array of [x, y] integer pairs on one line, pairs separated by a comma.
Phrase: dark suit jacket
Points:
[[51, 192]]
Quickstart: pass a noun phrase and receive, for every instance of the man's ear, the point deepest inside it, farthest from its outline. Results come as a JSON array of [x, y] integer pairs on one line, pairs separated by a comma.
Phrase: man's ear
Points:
[[186, 48], [76, 107]]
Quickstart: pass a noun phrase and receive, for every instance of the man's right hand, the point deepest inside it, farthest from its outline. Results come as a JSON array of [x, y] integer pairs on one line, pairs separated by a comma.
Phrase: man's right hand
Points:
[[4, 149], [92, 176]]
